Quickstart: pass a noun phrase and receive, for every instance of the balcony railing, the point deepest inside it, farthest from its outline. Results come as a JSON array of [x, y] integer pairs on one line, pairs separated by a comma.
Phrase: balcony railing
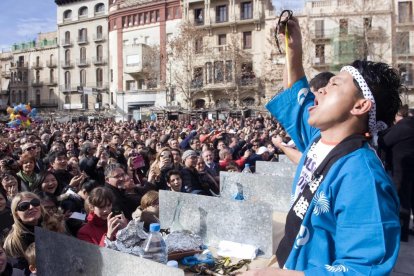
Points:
[[51, 83], [82, 40], [19, 64], [67, 64], [99, 61], [37, 83], [66, 43], [248, 81], [198, 22], [37, 65], [51, 63], [67, 88], [82, 62], [5, 74], [196, 83], [99, 38], [45, 103]]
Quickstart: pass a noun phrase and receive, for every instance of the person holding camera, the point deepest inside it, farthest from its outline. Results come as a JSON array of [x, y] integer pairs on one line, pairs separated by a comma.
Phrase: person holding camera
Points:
[[103, 220]]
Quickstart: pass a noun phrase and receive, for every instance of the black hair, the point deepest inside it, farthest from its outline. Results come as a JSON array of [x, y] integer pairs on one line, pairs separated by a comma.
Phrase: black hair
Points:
[[55, 154], [89, 185], [385, 84], [320, 80], [404, 111], [173, 172]]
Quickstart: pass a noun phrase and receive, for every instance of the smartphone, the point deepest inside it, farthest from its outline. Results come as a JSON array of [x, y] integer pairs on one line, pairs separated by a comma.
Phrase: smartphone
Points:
[[138, 162], [116, 211]]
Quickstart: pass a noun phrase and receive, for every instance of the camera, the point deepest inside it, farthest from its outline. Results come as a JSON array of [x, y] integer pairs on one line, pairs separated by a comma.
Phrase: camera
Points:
[[9, 162]]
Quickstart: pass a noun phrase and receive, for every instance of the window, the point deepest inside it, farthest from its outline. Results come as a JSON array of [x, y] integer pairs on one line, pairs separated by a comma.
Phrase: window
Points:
[[367, 23], [177, 12], [343, 26], [141, 18], [99, 53], [99, 8], [99, 77], [82, 77], [83, 12], [222, 39], [51, 76], [37, 76], [24, 96], [99, 32], [405, 12], [221, 13], [403, 45], [157, 15], [406, 73], [130, 85], [13, 97], [246, 11], [67, 57], [67, 15], [67, 38], [320, 54], [209, 72], [83, 55], [151, 83], [37, 61], [198, 45], [67, 80], [83, 35], [170, 13], [197, 81], [247, 40], [38, 97], [248, 75], [199, 16], [112, 75], [218, 71], [319, 28], [67, 99], [229, 70]]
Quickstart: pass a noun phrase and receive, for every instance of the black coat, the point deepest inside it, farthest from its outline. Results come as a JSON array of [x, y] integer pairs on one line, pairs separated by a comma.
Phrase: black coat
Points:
[[121, 202]]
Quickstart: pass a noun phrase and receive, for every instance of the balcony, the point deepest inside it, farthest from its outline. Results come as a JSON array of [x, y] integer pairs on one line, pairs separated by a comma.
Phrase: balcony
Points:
[[66, 43], [134, 58], [72, 106], [321, 36], [67, 88], [45, 104], [99, 38], [82, 40], [83, 62], [19, 65], [51, 83], [37, 83], [196, 83], [67, 64], [248, 81], [37, 65], [199, 22], [51, 64], [320, 63], [99, 61], [102, 85], [5, 74]]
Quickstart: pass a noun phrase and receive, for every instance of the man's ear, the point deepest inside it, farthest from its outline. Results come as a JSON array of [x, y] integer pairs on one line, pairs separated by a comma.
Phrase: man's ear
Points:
[[361, 107]]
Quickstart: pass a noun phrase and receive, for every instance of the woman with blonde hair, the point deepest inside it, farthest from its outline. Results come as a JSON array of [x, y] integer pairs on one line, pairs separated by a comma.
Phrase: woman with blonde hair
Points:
[[157, 174], [27, 213]]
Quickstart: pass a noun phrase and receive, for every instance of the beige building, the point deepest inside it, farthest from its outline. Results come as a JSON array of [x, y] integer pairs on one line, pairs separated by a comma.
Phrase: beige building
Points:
[[138, 34], [229, 59], [29, 73], [336, 32], [83, 55], [6, 57]]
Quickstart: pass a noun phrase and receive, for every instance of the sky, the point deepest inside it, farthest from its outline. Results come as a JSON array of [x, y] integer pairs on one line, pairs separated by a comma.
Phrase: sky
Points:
[[22, 20]]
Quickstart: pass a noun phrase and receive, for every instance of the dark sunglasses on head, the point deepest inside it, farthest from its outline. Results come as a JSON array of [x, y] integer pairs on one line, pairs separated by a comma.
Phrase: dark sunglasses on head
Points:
[[25, 205]]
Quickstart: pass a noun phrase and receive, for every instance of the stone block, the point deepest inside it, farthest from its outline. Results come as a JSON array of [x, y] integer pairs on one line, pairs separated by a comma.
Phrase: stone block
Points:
[[276, 168], [216, 219], [58, 254], [271, 189]]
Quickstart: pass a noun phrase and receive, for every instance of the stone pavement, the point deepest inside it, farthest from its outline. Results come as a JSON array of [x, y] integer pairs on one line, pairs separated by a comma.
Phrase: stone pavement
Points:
[[405, 263]]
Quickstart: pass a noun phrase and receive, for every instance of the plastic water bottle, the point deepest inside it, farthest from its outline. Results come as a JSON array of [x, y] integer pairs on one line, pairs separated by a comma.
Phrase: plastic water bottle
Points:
[[154, 246], [246, 169]]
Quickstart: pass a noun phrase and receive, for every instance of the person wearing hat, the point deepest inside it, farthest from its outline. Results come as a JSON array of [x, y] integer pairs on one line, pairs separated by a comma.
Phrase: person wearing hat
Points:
[[190, 177], [261, 154]]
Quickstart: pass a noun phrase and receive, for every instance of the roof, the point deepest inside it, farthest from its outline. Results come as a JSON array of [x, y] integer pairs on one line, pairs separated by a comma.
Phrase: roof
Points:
[[64, 2]]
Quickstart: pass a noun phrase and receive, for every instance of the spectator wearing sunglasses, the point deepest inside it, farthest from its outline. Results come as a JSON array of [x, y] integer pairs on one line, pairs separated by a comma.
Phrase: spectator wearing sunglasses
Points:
[[27, 213]]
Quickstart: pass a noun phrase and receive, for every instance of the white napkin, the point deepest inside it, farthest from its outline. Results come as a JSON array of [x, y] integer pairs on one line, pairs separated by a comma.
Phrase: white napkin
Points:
[[236, 250]]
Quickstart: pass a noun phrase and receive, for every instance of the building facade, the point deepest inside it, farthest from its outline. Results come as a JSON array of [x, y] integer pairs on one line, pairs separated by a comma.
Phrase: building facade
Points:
[[228, 55], [83, 55], [138, 31], [336, 32], [29, 73]]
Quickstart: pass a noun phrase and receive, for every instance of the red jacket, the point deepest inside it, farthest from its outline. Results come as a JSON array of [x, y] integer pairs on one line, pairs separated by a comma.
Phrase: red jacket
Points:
[[94, 231]]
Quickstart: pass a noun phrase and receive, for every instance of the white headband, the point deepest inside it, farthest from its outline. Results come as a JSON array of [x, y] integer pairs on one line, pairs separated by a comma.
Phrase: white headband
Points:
[[374, 125]]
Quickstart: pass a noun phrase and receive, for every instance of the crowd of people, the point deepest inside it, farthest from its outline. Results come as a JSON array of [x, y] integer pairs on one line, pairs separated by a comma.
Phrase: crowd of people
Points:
[[89, 179]]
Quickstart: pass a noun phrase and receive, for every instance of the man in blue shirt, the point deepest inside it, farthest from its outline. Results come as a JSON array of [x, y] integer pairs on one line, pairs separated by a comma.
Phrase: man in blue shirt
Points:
[[344, 211]]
